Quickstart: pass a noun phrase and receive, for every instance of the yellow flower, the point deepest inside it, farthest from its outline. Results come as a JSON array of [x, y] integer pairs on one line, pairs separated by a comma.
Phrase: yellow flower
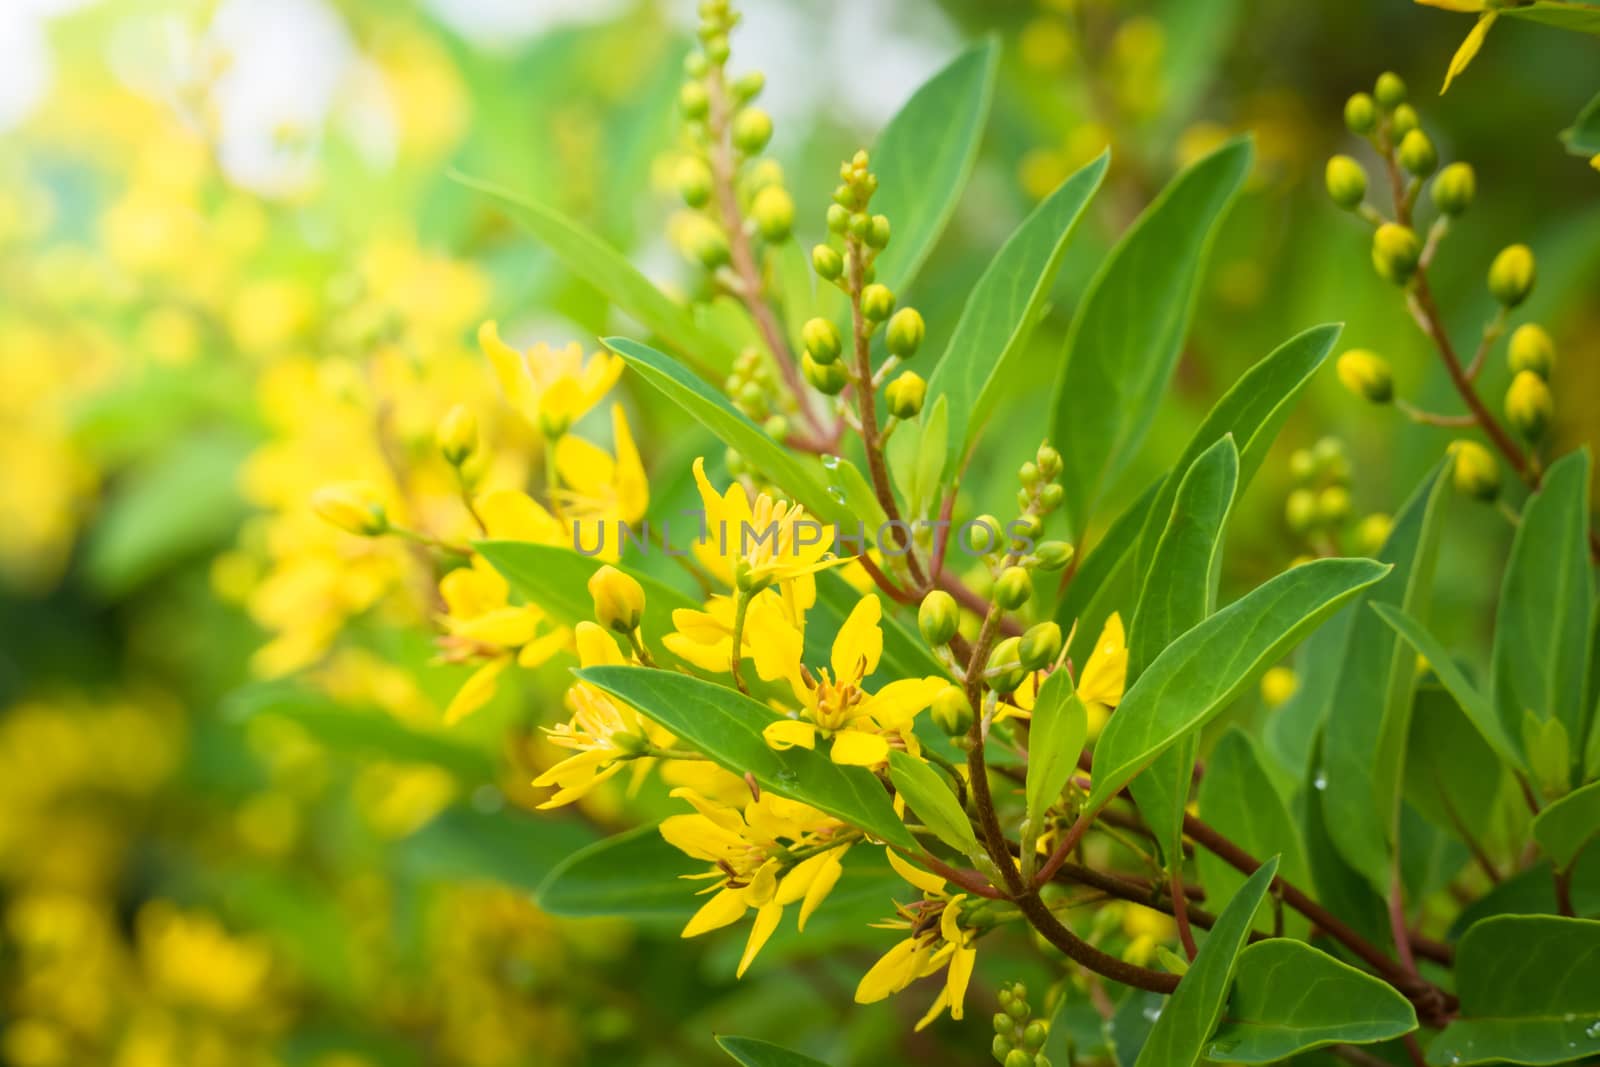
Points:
[[753, 858], [553, 388], [938, 942], [1100, 683], [773, 637], [752, 546], [835, 705], [1474, 40], [596, 488]]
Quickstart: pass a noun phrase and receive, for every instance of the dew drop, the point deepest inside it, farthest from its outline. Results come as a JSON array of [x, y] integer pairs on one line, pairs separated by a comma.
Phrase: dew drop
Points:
[[837, 494], [1592, 1031], [1320, 781], [830, 463]]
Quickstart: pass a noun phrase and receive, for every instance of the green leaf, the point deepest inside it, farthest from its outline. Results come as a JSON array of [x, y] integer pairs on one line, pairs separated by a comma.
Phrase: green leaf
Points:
[[848, 487], [1582, 138], [1569, 824], [1363, 754], [705, 405], [923, 157], [930, 797], [636, 875], [1473, 703], [916, 457], [1093, 593], [557, 580], [1581, 18], [1180, 590], [1290, 998], [1293, 729], [510, 846], [1125, 338], [726, 726], [603, 267], [1549, 752], [1453, 777], [1056, 735], [1253, 411], [1239, 801], [1541, 632], [1199, 673], [754, 1053], [1179, 1036], [1528, 993], [1005, 305]]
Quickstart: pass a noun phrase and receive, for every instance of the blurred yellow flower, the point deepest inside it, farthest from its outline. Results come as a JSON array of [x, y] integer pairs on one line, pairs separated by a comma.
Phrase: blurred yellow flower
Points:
[[551, 387]]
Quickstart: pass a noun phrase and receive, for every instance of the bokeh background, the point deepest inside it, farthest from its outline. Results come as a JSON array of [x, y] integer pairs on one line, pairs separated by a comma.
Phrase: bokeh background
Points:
[[234, 266]]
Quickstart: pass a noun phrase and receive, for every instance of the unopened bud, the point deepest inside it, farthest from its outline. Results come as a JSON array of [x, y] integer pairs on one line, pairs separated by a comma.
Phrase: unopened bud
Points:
[[353, 507], [938, 618], [749, 86], [1531, 349], [1390, 92], [1300, 511], [1511, 275], [1040, 645], [1361, 114], [905, 332], [1004, 669], [952, 712], [618, 599], [838, 218], [1013, 588], [1529, 405], [827, 262], [1417, 154], [877, 302], [752, 129], [694, 182], [457, 435], [1366, 374], [1372, 532], [706, 242], [1333, 505], [694, 100], [826, 378], [1454, 188], [1476, 472], [1053, 555], [1049, 462], [1403, 121], [877, 235], [1395, 251], [1347, 182], [821, 340], [905, 395], [1051, 497], [773, 211], [1278, 685]]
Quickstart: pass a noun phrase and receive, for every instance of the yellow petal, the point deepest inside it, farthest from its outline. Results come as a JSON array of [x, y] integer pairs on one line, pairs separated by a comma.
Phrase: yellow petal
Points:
[[1456, 5], [821, 886], [580, 789], [584, 466], [1102, 678], [894, 971], [857, 748], [632, 488], [923, 880], [511, 515], [721, 910], [476, 691], [596, 648], [935, 1010], [1469, 48], [950, 920], [786, 733], [510, 367], [957, 977], [897, 703], [766, 921], [540, 649]]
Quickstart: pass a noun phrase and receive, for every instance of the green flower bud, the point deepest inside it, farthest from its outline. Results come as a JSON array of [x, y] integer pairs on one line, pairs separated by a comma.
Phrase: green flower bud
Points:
[[694, 182], [457, 436], [861, 224], [1333, 505], [1025, 530], [877, 234], [1328, 454], [773, 210], [1347, 182], [1361, 114], [1013, 588], [1390, 91], [1366, 374], [1372, 532], [706, 243], [838, 218], [1040, 645], [752, 129], [1019, 1058], [1417, 154], [717, 50], [1004, 663], [905, 395], [1049, 462], [1018, 1007], [905, 332], [1476, 473], [827, 262], [695, 65], [1053, 555], [826, 378], [694, 100], [821, 339], [877, 302], [1531, 349], [952, 712], [1051, 496], [776, 427], [1395, 251], [938, 618], [1300, 510], [1529, 405], [1454, 188], [1035, 1034], [749, 87], [1028, 473], [1302, 465], [987, 539], [1002, 1045], [1404, 121], [1511, 275]]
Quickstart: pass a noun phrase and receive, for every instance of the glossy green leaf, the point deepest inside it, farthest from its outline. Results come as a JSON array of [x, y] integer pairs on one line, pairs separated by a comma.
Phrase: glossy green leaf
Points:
[[1528, 993], [1098, 585], [1581, 18], [1180, 590], [1340, 888], [1582, 138], [1569, 824], [726, 726], [796, 476], [1179, 1036], [1290, 998], [509, 845], [1004, 306], [1124, 339], [1473, 703], [928, 794], [1541, 633], [635, 874], [1293, 729], [754, 1053], [1056, 734], [1453, 778], [1238, 800], [924, 156], [1199, 673], [605, 268], [916, 457], [1363, 754], [557, 580]]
